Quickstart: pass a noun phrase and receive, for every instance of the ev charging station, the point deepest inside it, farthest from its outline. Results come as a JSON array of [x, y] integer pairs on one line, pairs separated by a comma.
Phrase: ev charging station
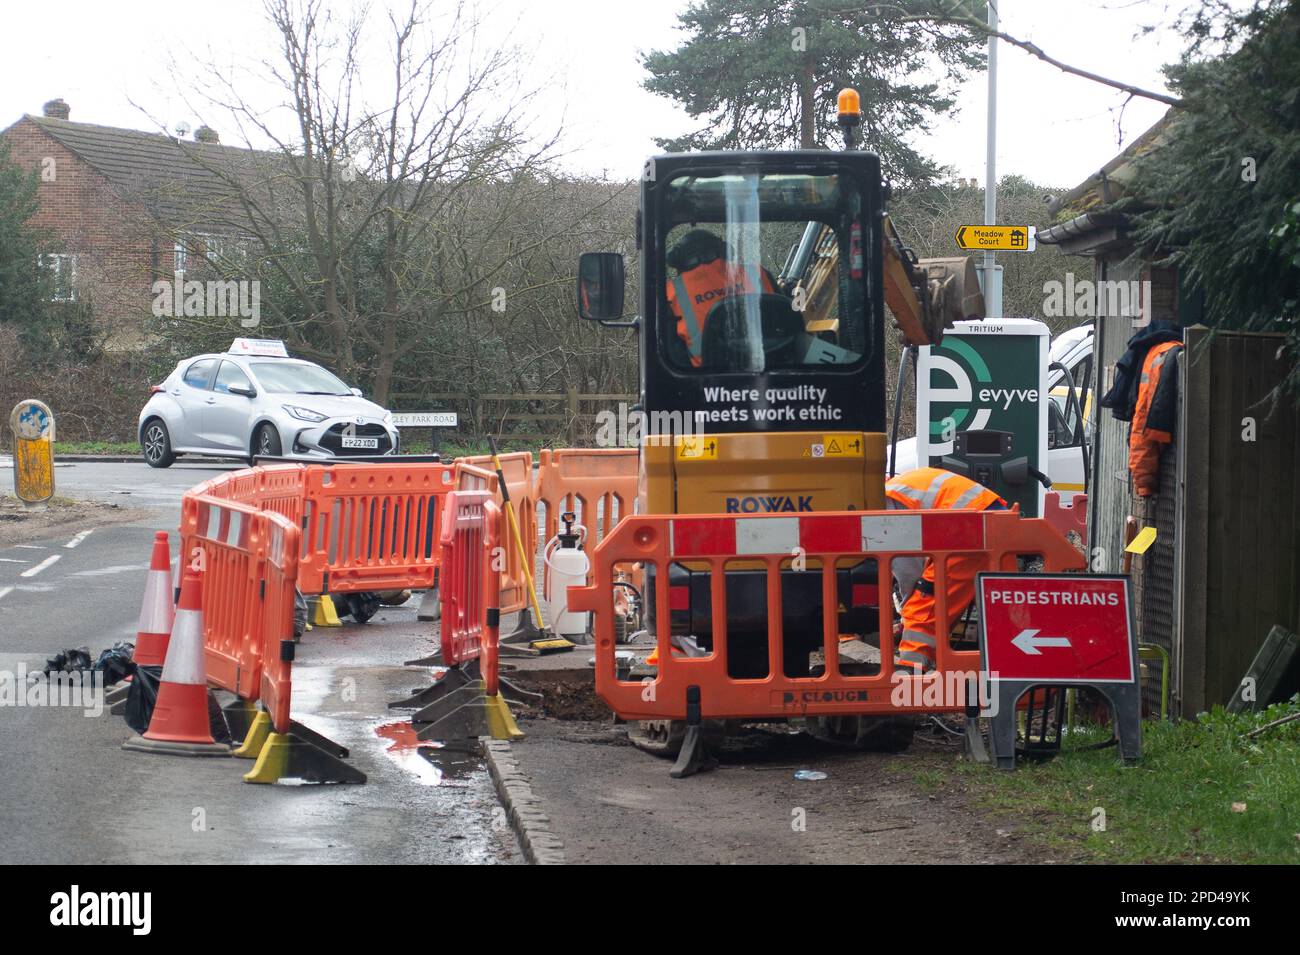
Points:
[[980, 410]]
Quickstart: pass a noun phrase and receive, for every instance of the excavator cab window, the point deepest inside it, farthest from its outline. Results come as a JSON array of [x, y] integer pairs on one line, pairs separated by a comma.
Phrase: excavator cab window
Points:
[[762, 271]]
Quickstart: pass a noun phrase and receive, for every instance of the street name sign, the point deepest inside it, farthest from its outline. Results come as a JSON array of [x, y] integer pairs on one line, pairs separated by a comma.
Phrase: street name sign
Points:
[[425, 419]]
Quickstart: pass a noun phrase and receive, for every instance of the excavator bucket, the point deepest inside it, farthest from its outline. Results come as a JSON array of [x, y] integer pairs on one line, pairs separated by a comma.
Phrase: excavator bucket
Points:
[[954, 293]]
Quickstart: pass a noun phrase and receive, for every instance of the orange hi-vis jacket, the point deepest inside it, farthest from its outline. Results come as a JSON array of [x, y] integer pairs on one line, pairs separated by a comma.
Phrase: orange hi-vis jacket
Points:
[[934, 489], [700, 288], [1153, 417]]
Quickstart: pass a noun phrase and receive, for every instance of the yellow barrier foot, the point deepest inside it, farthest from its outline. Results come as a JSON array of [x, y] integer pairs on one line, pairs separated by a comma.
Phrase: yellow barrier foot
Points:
[[239, 714], [501, 722], [324, 614], [290, 759], [256, 736]]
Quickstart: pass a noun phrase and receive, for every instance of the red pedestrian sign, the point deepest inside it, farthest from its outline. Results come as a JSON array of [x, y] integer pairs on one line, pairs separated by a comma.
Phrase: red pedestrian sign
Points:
[[1057, 628]]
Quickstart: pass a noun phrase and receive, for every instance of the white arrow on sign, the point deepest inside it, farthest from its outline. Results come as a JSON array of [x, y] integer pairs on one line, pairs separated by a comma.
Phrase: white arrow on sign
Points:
[[1028, 642]]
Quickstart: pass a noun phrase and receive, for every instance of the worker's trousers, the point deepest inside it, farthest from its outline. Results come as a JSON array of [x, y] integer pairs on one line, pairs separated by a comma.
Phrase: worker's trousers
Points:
[[916, 646]]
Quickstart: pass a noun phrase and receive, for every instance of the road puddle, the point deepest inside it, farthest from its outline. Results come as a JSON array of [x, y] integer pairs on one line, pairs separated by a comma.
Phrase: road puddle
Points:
[[429, 761]]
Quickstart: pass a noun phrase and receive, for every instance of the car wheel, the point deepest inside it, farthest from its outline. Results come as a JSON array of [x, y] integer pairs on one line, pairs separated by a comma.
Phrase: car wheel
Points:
[[266, 442], [156, 444]]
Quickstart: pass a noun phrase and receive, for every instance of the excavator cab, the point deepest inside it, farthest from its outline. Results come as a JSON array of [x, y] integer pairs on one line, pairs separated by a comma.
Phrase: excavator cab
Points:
[[764, 278]]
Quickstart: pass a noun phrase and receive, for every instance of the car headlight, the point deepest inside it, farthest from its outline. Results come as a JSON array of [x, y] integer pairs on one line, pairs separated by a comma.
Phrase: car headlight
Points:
[[303, 414]]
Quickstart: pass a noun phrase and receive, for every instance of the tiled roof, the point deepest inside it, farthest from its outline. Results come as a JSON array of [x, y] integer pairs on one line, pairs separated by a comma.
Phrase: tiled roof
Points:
[[181, 182]]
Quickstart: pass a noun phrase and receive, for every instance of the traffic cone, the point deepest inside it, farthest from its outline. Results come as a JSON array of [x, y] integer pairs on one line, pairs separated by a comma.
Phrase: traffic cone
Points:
[[156, 613], [180, 722]]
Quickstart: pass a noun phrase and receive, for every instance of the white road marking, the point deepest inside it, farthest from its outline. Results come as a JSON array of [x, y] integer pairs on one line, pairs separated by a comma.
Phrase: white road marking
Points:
[[5, 591], [115, 569], [28, 547], [33, 571], [79, 538], [13, 560]]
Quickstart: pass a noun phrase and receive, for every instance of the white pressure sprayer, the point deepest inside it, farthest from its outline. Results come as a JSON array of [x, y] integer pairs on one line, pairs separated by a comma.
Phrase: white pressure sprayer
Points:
[[566, 566]]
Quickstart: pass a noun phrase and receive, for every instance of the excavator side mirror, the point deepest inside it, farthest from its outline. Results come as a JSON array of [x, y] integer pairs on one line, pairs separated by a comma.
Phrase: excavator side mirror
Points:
[[600, 286]]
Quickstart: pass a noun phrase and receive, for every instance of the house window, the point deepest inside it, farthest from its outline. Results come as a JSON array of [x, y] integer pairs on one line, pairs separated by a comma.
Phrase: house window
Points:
[[63, 276], [179, 258]]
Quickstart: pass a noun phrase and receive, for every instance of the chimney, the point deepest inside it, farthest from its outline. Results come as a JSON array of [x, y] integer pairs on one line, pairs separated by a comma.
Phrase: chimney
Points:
[[206, 134], [56, 109]]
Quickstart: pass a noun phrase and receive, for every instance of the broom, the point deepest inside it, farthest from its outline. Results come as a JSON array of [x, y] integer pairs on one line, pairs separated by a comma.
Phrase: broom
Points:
[[549, 642]]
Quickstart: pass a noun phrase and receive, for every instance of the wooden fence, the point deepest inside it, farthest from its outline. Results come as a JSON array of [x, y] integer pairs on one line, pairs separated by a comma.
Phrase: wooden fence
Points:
[[1239, 521]]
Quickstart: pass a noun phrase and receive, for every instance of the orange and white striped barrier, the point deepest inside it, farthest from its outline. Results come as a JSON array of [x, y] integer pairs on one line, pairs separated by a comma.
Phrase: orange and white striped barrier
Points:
[[180, 725]]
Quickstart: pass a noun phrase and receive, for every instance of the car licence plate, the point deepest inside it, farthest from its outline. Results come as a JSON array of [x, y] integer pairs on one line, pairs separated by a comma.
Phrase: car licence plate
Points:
[[368, 444]]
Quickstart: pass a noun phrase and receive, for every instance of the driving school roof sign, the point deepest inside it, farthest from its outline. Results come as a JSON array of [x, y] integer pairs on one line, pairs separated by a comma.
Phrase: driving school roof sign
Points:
[[1062, 630]]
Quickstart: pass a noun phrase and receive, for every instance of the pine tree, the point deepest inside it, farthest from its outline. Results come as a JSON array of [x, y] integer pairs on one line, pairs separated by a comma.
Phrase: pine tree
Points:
[[764, 74]]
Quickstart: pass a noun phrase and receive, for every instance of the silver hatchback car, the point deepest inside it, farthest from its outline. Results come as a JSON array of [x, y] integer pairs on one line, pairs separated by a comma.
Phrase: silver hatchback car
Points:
[[255, 400]]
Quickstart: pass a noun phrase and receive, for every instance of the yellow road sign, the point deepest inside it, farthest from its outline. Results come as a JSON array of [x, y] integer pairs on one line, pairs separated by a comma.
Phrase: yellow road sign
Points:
[[997, 238], [699, 447], [32, 424]]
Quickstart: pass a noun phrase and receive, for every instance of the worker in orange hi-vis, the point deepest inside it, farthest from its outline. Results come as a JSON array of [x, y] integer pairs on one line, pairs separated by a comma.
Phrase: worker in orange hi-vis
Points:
[[704, 278], [934, 489]]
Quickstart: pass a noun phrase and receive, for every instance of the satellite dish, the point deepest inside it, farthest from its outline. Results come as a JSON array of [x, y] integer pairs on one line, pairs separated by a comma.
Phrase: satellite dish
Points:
[[182, 129]]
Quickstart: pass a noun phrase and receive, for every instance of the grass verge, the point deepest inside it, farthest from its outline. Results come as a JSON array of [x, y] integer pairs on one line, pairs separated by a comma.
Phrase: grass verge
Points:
[[1203, 792], [95, 447]]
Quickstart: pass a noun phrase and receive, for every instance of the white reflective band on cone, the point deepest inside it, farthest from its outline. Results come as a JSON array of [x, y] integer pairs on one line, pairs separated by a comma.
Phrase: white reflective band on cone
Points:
[[184, 662], [157, 611]]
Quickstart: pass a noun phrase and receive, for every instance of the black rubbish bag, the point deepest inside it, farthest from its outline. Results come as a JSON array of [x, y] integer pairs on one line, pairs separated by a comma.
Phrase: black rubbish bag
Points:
[[116, 663], [69, 661], [142, 696]]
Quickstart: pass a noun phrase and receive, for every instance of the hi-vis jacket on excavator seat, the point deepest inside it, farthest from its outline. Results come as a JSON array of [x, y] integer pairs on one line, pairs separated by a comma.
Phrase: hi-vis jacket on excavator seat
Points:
[[1154, 417], [934, 489]]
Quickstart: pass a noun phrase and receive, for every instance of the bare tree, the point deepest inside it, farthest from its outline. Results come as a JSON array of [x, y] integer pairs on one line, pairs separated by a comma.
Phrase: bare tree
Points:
[[357, 211]]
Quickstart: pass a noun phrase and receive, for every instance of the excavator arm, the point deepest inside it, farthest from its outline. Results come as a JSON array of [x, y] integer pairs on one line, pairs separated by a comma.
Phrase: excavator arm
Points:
[[927, 295]]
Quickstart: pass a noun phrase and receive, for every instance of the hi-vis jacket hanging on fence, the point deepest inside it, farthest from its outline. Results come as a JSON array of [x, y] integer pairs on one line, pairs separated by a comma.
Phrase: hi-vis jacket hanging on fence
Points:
[[705, 278], [934, 489], [1154, 417]]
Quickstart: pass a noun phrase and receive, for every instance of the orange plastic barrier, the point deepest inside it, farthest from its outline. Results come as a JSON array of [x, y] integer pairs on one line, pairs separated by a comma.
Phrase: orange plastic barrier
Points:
[[470, 584], [598, 486], [828, 538], [478, 473], [372, 526], [249, 562], [364, 527], [280, 575]]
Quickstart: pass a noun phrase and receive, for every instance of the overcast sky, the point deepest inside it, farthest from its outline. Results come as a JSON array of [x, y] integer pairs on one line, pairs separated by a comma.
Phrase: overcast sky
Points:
[[103, 57]]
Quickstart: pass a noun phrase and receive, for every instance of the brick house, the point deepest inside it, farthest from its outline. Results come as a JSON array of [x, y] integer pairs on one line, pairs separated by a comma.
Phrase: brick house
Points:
[[126, 208]]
